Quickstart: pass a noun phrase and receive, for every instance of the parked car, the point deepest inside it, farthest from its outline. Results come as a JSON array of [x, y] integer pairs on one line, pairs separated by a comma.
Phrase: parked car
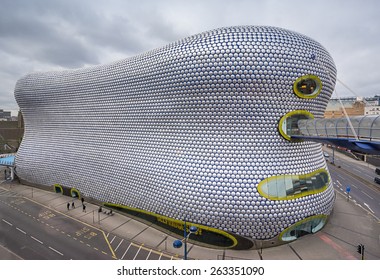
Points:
[[326, 154], [377, 180], [377, 170]]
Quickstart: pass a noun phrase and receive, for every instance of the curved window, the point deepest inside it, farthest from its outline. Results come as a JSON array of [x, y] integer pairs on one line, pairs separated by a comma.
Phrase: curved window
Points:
[[288, 124], [285, 187], [309, 225], [308, 86]]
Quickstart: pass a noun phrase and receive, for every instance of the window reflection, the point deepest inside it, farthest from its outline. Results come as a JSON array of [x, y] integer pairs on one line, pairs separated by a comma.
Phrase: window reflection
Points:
[[293, 186], [306, 226]]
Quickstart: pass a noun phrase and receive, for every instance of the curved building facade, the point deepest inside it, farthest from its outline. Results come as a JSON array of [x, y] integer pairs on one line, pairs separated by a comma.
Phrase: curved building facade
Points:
[[195, 131]]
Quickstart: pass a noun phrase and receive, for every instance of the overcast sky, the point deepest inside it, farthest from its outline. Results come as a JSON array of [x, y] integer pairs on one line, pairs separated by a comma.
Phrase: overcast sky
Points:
[[44, 35]]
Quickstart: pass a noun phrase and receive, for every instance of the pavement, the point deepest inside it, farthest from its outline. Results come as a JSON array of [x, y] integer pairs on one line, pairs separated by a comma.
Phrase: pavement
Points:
[[348, 226]]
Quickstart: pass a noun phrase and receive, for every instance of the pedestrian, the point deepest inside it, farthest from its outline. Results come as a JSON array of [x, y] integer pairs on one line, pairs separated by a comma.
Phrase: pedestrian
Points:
[[82, 199], [68, 205], [84, 208], [72, 205]]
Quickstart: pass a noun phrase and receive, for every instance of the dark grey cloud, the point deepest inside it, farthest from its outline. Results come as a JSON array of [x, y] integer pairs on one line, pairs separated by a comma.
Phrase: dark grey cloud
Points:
[[44, 35]]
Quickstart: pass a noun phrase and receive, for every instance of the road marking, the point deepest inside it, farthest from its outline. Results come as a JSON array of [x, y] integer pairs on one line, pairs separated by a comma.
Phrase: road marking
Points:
[[20, 230], [126, 251], [338, 183], [354, 186], [138, 251], [150, 252], [58, 252], [39, 241], [367, 195], [119, 244], [112, 239], [7, 222], [369, 208]]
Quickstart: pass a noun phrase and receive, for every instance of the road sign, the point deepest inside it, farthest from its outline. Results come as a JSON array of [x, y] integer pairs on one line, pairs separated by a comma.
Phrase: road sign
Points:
[[348, 189]]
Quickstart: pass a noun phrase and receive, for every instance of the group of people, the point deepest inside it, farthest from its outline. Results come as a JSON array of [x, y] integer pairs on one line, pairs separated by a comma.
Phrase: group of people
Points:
[[73, 205]]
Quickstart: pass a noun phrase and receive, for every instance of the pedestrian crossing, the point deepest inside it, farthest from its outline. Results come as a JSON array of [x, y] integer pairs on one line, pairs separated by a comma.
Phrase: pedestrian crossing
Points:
[[127, 250]]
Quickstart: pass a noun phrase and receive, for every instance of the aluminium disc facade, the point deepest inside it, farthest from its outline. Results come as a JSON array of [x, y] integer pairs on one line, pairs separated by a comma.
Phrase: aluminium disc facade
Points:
[[196, 130]]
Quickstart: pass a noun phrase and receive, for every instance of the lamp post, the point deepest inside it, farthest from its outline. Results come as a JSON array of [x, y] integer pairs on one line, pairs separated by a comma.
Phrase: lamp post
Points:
[[178, 243]]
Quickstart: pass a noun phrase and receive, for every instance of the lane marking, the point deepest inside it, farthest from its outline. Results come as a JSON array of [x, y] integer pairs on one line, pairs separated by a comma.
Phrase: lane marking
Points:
[[39, 241], [126, 250], [58, 252], [339, 183], [20, 230], [7, 222], [367, 195], [369, 208], [119, 244]]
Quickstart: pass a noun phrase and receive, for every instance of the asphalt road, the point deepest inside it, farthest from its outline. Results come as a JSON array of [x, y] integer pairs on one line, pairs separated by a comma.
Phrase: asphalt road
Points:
[[358, 176], [35, 232]]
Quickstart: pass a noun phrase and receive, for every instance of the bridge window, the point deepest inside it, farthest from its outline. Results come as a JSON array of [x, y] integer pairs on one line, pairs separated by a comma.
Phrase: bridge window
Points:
[[285, 187], [308, 86], [288, 124]]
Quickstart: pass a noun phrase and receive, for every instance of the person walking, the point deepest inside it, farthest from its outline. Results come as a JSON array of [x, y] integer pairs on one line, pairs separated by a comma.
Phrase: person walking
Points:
[[82, 199], [68, 205], [72, 205], [84, 208]]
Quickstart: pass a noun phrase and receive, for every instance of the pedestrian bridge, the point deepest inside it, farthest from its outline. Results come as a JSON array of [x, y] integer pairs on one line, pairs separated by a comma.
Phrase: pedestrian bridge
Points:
[[360, 134], [7, 160]]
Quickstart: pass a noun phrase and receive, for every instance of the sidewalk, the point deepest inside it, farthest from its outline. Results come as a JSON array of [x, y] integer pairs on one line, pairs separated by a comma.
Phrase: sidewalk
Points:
[[349, 225]]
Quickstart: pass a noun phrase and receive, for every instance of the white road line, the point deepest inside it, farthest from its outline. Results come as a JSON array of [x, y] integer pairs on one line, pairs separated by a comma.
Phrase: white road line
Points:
[[138, 251], [7, 222], [20, 230], [367, 195], [39, 241], [58, 252], [112, 239], [126, 251], [119, 244], [369, 208], [339, 183], [150, 252], [354, 186]]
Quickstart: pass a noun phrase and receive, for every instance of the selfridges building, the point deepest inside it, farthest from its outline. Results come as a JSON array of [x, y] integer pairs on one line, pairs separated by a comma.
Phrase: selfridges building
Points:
[[196, 131]]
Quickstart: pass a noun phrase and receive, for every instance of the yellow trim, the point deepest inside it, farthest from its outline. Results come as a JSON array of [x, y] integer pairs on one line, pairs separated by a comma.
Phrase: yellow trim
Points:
[[302, 176], [286, 116], [58, 186], [162, 218], [320, 216], [317, 90], [74, 190]]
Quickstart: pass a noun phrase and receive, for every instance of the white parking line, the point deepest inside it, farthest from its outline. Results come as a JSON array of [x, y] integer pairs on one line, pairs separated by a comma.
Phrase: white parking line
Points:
[[126, 251], [7, 222], [39, 241], [112, 239], [58, 252], [150, 252], [20, 230], [119, 244], [138, 251]]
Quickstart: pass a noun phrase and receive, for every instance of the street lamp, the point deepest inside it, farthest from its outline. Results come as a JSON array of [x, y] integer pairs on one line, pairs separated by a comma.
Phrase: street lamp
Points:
[[178, 243]]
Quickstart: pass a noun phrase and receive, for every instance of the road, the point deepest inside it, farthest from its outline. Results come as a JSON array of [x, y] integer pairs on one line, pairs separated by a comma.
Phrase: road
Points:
[[35, 232], [358, 176]]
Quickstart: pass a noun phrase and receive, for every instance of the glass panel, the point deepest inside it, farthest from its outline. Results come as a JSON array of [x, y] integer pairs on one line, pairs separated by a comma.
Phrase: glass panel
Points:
[[341, 127], [284, 187]]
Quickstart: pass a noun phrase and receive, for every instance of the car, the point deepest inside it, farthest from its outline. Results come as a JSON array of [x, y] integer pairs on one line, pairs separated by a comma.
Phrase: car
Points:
[[377, 180], [377, 170], [325, 154]]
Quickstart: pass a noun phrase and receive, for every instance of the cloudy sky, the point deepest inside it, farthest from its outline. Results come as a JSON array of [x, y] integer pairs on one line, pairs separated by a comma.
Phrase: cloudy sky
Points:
[[44, 35]]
